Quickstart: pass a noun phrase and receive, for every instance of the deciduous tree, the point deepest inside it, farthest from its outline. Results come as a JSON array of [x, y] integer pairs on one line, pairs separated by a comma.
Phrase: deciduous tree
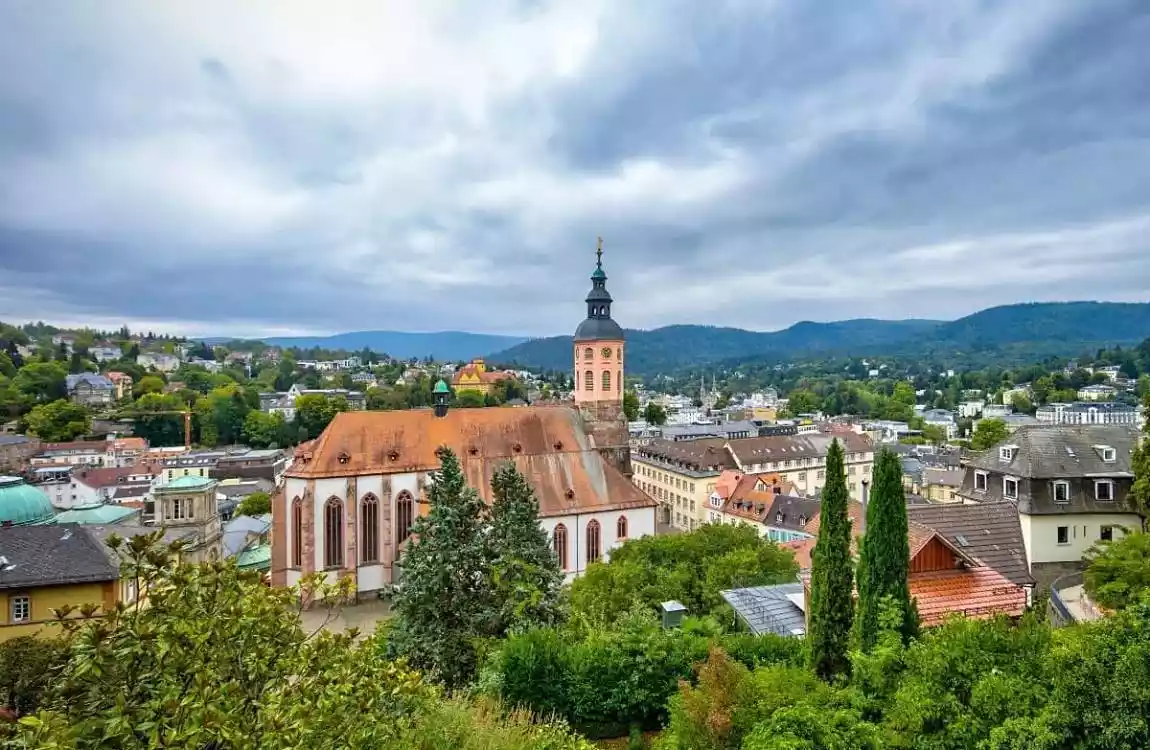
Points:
[[655, 414], [987, 433], [58, 421], [255, 504]]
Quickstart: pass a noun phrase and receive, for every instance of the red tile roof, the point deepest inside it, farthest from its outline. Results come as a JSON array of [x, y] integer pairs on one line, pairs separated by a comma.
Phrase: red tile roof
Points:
[[803, 549], [975, 592], [547, 444], [855, 511]]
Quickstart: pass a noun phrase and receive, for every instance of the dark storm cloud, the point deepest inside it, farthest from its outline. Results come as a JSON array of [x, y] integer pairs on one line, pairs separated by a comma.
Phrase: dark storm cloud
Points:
[[432, 166]]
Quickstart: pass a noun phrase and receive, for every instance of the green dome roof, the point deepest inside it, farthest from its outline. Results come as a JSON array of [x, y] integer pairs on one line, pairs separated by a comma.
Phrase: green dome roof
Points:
[[21, 503], [441, 387]]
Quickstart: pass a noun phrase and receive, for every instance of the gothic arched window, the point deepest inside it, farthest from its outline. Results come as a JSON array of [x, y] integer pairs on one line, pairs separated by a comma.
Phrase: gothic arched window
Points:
[[607, 381], [297, 533], [621, 527], [369, 530], [559, 540], [404, 515], [593, 541], [333, 533], [588, 381]]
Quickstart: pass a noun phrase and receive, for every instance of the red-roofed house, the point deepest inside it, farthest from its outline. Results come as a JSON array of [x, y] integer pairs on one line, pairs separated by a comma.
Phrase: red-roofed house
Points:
[[944, 580]]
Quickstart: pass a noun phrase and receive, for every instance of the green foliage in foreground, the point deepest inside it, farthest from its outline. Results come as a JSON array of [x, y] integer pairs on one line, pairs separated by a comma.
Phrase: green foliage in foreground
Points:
[[605, 680], [987, 685], [692, 568], [1119, 572], [471, 574], [215, 659]]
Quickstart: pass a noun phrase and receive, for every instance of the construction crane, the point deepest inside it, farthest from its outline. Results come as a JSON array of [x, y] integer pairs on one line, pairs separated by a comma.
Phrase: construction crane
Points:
[[132, 416]]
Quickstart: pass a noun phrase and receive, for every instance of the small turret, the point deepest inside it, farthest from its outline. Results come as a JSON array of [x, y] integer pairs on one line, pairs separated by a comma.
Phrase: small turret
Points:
[[442, 397]]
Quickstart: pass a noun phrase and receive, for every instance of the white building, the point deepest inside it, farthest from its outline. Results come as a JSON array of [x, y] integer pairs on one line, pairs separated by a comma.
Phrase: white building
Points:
[[941, 418], [104, 353], [1103, 413], [158, 361], [1096, 393], [971, 409]]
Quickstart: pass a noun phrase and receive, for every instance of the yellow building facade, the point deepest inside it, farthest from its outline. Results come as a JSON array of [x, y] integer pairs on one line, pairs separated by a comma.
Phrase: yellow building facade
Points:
[[476, 377], [29, 610], [47, 567]]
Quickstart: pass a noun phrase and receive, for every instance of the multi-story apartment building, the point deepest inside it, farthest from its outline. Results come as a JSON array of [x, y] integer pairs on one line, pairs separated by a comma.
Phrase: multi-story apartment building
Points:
[[1101, 413], [1069, 484], [682, 475]]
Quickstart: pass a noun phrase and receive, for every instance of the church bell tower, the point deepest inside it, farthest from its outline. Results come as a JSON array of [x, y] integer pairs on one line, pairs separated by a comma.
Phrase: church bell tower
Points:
[[598, 345], [598, 350]]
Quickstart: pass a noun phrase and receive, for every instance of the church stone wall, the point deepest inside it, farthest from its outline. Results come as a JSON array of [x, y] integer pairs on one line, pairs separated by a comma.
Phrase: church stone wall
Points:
[[606, 424]]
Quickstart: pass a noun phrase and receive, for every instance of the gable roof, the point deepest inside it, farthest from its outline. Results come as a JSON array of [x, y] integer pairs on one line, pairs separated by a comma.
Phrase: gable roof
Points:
[[796, 511], [989, 532], [547, 444], [977, 593], [855, 511], [51, 556], [87, 378], [758, 450], [1064, 451]]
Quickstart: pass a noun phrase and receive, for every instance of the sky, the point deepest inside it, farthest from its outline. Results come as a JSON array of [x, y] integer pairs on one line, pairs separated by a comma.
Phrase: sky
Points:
[[277, 166]]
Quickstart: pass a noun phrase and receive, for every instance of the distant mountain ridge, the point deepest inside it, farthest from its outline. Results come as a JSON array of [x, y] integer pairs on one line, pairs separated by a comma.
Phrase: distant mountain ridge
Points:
[[441, 345], [1046, 328]]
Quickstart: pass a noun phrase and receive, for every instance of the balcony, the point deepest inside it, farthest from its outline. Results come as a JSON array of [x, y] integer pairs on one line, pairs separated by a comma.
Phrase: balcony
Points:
[[1069, 603]]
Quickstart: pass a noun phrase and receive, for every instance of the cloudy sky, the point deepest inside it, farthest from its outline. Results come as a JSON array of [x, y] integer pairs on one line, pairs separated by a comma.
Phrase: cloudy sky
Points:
[[223, 167]]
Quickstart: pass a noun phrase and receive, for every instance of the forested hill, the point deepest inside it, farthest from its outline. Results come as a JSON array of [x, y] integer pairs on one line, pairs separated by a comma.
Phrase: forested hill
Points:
[[1041, 329]]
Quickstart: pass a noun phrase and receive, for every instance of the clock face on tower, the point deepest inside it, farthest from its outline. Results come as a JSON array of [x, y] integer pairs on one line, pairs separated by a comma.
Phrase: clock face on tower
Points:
[[606, 352]]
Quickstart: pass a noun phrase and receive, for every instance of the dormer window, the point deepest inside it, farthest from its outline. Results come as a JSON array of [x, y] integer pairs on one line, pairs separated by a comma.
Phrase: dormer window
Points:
[[1062, 492], [778, 518], [1104, 490], [1007, 452], [980, 481], [1106, 453], [1010, 488]]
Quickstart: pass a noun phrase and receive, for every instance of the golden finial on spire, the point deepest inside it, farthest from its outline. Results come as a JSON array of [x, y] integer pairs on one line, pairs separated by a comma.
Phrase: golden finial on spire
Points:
[[599, 253]]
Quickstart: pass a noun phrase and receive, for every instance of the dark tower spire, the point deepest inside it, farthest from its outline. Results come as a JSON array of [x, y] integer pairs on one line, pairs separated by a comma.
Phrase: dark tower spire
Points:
[[598, 325]]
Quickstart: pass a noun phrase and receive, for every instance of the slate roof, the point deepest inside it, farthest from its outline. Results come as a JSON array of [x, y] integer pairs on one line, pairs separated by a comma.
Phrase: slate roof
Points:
[[243, 489], [1064, 451], [95, 381], [51, 556], [238, 530], [796, 511], [991, 533], [757, 450], [769, 609], [942, 477]]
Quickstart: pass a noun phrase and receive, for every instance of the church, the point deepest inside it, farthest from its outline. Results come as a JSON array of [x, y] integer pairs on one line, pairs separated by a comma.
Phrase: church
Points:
[[347, 504]]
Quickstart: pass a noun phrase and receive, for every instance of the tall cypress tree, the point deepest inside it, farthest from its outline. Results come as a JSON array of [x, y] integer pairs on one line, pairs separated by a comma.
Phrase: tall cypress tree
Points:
[[884, 557], [526, 580], [832, 578], [444, 601]]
